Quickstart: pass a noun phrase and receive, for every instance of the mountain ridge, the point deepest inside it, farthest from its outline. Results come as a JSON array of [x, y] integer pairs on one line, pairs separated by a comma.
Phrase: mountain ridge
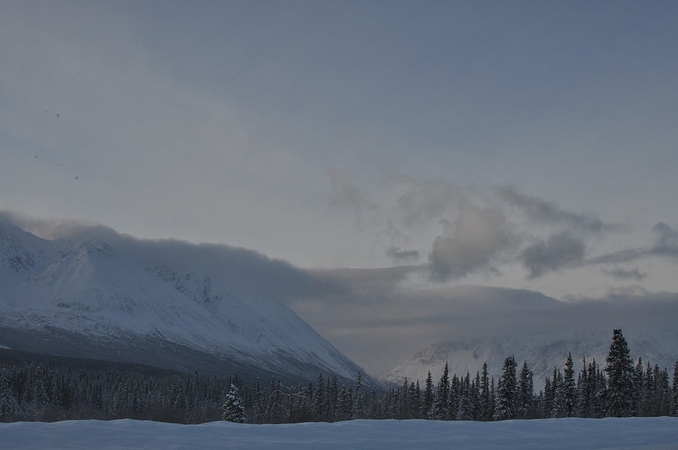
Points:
[[85, 289]]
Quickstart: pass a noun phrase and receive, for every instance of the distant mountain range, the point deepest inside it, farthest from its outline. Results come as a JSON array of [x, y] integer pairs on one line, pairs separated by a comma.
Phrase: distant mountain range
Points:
[[84, 297], [542, 352]]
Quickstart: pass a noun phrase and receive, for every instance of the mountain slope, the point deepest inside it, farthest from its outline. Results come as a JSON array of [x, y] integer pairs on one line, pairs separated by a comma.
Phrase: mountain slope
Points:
[[84, 298]]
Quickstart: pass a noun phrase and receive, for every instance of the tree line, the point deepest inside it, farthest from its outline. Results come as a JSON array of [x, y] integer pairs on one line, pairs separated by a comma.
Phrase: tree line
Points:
[[51, 391]]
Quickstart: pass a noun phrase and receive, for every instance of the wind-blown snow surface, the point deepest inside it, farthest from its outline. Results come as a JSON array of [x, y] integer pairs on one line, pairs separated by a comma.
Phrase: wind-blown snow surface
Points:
[[628, 433], [85, 287]]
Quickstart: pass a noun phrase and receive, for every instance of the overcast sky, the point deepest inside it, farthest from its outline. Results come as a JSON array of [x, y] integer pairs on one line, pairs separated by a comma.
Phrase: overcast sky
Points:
[[527, 145]]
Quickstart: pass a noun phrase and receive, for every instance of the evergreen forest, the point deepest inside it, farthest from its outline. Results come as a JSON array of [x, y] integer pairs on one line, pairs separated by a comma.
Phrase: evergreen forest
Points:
[[53, 390]]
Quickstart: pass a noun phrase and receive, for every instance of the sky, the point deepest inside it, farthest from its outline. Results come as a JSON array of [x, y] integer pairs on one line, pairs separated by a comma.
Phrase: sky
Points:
[[401, 147]]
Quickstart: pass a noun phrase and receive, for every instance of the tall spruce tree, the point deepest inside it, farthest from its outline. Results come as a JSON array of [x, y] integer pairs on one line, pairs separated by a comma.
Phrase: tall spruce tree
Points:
[[583, 392], [486, 404], [506, 391], [558, 406], [319, 406], [359, 403], [442, 398], [525, 393], [569, 387], [620, 374], [429, 398]]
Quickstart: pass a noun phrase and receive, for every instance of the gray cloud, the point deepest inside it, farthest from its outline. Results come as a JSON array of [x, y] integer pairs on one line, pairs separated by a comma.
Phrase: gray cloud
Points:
[[478, 237], [543, 211], [621, 256], [665, 245], [345, 194], [622, 274], [398, 255], [559, 251], [425, 200]]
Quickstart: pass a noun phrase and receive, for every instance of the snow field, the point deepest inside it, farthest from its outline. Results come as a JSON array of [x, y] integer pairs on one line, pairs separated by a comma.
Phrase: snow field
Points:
[[628, 433]]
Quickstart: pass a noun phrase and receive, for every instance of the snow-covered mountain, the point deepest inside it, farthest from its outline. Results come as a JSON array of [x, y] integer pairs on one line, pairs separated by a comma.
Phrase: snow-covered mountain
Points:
[[542, 352], [82, 297]]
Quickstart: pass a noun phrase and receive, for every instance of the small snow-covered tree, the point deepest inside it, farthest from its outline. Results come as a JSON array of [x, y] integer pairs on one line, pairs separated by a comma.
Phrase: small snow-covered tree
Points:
[[233, 409]]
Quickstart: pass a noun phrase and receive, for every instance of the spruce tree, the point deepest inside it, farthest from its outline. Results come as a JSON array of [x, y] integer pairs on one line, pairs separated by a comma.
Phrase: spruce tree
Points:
[[649, 393], [506, 391], [569, 387], [525, 393], [429, 398], [639, 393], [620, 374], [486, 408], [333, 396], [414, 400], [233, 411], [6, 402], [547, 402], [558, 405], [441, 403], [345, 404], [464, 411], [674, 403], [318, 407], [454, 397], [359, 404], [663, 392], [583, 392]]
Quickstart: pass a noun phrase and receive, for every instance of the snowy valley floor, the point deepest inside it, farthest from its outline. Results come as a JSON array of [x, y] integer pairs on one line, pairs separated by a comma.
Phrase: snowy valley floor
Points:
[[630, 433]]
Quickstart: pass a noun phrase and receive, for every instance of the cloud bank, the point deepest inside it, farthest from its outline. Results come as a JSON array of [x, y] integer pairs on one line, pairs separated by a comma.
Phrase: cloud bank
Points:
[[485, 230], [478, 236]]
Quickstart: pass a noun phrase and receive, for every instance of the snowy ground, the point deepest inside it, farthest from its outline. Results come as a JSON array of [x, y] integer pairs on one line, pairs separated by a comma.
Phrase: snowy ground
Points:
[[632, 433]]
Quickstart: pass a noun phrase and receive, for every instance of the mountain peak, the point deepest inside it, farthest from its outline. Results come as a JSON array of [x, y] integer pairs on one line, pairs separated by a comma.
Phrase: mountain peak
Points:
[[21, 253]]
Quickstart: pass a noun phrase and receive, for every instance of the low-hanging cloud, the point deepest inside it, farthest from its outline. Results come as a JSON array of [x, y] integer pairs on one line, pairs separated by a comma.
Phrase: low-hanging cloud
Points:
[[346, 195], [381, 323], [559, 251], [545, 212], [622, 274], [426, 200], [478, 237], [665, 245], [243, 270], [399, 255]]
